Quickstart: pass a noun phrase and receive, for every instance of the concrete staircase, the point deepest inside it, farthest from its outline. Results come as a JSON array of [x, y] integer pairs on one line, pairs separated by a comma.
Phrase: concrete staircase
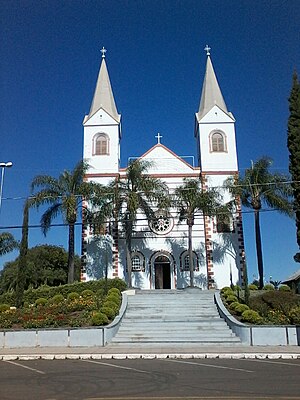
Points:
[[183, 317]]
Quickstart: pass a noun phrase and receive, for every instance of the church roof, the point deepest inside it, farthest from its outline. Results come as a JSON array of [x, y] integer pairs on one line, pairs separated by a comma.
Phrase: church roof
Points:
[[103, 96], [211, 93]]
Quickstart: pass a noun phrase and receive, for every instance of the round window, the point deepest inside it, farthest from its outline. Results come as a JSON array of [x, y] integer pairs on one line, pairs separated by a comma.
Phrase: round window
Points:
[[162, 223]]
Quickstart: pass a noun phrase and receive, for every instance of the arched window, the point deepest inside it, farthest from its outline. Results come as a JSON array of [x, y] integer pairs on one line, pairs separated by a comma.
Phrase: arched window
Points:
[[218, 142], [185, 261], [137, 262], [101, 144]]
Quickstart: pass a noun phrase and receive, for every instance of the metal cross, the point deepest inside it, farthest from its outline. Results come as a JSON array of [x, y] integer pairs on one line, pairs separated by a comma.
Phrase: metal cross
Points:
[[158, 137], [103, 51], [207, 49]]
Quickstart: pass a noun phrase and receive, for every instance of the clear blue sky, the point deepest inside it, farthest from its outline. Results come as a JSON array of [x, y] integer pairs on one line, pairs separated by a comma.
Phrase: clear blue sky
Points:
[[50, 56]]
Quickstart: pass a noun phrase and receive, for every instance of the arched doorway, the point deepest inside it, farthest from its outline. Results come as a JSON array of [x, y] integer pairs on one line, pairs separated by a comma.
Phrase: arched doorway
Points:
[[162, 272]]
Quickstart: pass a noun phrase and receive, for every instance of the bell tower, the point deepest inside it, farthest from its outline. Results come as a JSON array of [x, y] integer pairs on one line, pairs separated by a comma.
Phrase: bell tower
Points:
[[217, 156], [102, 127]]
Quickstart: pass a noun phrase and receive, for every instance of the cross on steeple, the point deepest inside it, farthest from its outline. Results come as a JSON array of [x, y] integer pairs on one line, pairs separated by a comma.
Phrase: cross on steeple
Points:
[[207, 49], [158, 137], [103, 51]]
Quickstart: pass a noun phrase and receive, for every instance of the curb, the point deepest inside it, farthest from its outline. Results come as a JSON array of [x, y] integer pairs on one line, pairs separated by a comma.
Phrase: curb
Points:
[[150, 356]]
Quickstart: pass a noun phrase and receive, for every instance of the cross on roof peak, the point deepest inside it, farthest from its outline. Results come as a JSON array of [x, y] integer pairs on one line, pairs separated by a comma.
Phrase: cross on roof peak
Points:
[[158, 137], [103, 51], [207, 49]]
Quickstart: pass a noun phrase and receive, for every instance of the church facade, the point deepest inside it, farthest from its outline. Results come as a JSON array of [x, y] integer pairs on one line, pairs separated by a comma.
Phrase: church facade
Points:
[[160, 247]]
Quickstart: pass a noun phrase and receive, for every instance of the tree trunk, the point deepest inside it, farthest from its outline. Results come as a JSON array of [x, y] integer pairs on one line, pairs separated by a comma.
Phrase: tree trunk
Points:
[[260, 265], [71, 253], [22, 263], [190, 251], [128, 235]]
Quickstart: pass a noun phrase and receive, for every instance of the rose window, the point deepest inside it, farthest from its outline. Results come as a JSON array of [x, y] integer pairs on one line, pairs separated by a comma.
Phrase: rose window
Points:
[[162, 223]]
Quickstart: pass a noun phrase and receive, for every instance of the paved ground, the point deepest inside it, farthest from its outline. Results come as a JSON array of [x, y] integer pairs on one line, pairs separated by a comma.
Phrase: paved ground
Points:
[[167, 350], [150, 379]]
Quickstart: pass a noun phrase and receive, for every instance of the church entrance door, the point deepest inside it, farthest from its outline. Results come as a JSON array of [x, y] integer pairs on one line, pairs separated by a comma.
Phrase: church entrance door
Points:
[[162, 272]]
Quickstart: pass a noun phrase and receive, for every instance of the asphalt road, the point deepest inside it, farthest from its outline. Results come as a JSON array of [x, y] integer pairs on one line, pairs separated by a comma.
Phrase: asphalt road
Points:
[[150, 379]]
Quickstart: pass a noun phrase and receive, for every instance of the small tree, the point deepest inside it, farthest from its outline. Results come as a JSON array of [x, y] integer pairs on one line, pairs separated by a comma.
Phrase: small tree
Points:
[[22, 264], [260, 187], [190, 198], [137, 192], [64, 195], [293, 143]]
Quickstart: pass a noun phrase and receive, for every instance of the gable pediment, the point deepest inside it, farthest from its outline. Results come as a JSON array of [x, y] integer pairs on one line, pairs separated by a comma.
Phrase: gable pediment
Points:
[[100, 117], [216, 115], [166, 162]]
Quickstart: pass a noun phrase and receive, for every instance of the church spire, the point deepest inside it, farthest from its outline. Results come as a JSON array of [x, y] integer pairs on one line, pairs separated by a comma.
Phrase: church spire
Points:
[[103, 96], [211, 93]]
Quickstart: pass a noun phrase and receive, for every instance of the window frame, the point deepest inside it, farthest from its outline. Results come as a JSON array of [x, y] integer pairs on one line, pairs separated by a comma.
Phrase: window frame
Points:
[[224, 142], [184, 261], [97, 140]]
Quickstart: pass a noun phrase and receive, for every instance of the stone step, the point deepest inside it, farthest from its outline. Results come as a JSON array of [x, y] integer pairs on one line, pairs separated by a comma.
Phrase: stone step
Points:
[[207, 339], [172, 316]]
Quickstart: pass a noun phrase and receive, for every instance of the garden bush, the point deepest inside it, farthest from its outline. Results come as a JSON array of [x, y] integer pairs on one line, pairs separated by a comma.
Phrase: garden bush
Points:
[[234, 305], [240, 308], [294, 315], [231, 298], [277, 317], [114, 290], [283, 301], [73, 296], [41, 301], [99, 319], [114, 297], [269, 286], [109, 312], [252, 287], [4, 307], [252, 316], [111, 304], [87, 293], [57, 299], [284, 288]]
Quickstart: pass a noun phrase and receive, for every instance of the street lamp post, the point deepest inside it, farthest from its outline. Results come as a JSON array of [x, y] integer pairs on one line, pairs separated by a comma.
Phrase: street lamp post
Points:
[[3, 165]]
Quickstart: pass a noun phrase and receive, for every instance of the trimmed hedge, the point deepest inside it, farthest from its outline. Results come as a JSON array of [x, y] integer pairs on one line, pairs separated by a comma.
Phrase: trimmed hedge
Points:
[[31, 295]]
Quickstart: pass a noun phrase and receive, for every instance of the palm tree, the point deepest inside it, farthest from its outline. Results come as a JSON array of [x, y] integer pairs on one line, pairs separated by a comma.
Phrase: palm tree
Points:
[[137, 192], [64, 195], [7, 243], [260, 187], [190, 199]]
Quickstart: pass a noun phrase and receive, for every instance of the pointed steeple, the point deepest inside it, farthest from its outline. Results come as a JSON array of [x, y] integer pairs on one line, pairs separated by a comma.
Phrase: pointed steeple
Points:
[[103, 96], [211, 93]]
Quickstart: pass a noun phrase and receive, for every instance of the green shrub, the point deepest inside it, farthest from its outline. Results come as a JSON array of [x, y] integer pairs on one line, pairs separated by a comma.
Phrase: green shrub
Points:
[[108, 311], [231, 298], [87, 293], [114, 290], [284, 288], [99, 319], [111, 304], [252, 287], [268, 286], [277, 317], [115, 298], [234, 305], [73, 296], [258, 304], [240, 308], [283, 301], [41, 301], [252, 316], [4, 307], [57, 299], [294, 315]]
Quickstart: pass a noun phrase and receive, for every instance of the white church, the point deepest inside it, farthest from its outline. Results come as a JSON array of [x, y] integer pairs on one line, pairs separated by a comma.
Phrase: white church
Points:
[[159, 247]]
